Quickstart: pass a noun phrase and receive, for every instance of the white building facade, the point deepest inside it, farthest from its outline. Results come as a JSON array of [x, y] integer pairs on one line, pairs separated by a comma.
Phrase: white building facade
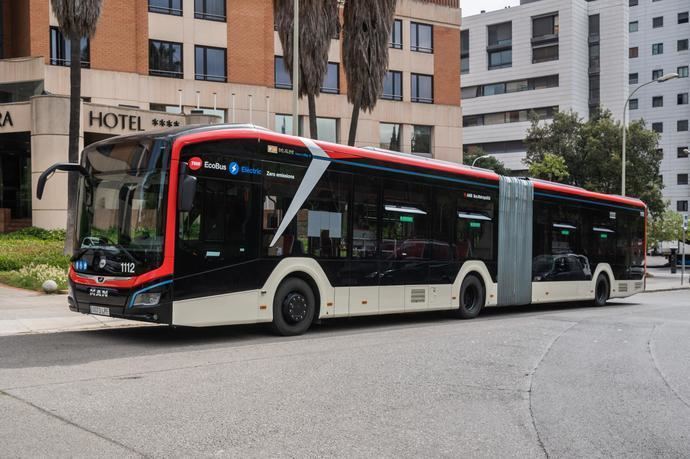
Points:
[[543, 55], [659, 32]]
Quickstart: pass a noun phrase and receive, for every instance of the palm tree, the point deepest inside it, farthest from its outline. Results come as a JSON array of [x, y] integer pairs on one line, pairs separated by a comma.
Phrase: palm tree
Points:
[[77, 19], [319, 23], [366, 31]]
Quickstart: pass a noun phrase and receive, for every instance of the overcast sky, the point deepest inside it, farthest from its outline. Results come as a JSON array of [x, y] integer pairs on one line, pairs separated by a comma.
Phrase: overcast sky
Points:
[[471, 7]]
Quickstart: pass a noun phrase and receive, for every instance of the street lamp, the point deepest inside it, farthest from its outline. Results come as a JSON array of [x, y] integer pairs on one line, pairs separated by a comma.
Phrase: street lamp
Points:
[[478, 158], [661, 79], [295, 68]]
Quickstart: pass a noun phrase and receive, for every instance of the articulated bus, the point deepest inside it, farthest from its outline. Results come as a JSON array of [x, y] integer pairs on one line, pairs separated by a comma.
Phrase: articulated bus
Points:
[[232, 224]]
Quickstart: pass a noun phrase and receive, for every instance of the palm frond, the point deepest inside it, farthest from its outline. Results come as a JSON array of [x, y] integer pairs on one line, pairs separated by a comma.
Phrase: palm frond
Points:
[[77, 18]]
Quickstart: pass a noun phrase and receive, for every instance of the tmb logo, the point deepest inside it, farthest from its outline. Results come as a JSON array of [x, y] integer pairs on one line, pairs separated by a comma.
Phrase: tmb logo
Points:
[[195, 163]]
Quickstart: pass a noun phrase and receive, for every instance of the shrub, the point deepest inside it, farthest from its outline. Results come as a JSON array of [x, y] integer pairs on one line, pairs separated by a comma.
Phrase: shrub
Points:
[[32, 232], [33, 275]]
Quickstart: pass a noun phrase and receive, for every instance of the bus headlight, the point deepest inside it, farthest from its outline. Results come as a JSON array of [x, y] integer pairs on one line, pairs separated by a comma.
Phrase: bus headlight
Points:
[[147, 299]]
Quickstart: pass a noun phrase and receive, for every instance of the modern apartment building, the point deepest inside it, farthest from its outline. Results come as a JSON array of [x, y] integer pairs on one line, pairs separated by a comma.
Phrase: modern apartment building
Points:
[[155, 63], [659, 33], [543, 55]]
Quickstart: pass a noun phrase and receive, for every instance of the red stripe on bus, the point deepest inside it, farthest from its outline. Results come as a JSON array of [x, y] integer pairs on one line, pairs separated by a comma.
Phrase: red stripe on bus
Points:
[[565, 189]]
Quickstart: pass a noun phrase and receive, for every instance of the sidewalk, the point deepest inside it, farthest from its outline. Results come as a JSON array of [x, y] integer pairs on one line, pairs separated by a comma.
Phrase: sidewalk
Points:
[[23, 311], [662, 279]]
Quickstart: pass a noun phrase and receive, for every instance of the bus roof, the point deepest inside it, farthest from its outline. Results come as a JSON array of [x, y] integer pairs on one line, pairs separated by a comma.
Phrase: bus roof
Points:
[[199, 133]]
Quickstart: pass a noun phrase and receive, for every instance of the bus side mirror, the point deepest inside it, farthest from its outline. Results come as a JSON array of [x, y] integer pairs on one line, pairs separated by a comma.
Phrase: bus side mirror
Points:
[[186, 191], [67, 167]]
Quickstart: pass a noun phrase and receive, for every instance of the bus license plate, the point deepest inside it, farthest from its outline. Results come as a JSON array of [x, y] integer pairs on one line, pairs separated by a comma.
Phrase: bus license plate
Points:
[[100, 310]]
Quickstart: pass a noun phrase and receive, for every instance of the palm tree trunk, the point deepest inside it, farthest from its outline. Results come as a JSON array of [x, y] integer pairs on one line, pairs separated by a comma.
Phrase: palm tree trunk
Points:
[[313, 133], [353, 125], [73, 148]]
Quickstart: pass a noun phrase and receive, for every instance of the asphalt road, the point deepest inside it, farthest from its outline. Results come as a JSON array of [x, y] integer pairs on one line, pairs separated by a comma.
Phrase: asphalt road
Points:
[[559, 381]]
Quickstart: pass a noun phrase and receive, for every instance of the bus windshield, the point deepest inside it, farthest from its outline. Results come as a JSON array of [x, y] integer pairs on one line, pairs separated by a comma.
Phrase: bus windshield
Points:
[[122, 207]]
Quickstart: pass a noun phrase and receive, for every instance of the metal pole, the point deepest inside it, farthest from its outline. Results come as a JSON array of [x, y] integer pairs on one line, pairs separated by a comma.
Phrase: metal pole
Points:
[[268, 112], [179, 92], [198, 100], [625, 129], [215, 101], [233, 107], [251, 121], [295, 66]]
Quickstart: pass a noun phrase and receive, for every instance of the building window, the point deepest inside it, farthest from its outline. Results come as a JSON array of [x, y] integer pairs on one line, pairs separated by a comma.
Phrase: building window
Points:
[[682, 45], [594, 90], [544, 54], [396, 35], [545, 37], [213, 10], [657, 73], [633, 104], [682, 179], [500, 47], [632, 78], [657, 22], [683, 17], [681, 152], [465, 51], [682, 71], [545, 27], [658, 127], [283, 124], [210, 64], [657, 48], [682, 206], [61, 49], [658, 101], [549, 81], [389, 136], [421, 37], [165, 59], [682, 126], [331, 81], [173, 7], [594, 58], [421, 139], [682, 98], [422, 88], [283, 80], [327, 129], [392, 85], [632, 26], [632, 2], [515, 116], [633, 52]]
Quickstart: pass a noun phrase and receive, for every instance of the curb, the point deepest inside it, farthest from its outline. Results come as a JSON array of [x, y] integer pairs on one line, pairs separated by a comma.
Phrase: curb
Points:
[[672, 289]]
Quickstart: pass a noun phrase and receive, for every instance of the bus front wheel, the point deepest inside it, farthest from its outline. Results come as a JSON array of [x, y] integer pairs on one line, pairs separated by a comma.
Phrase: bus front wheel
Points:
[[472, 298], [601, 290], [293, 307]]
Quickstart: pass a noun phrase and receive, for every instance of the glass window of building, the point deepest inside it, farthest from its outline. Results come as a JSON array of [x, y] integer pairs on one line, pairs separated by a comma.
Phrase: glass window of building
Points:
[[682, 179], [283, 124], [396, 40], [327, 129], [331, 81], [682, 45], [421, 139], [61, 49], [389, 136], [422, 88], [682, 126], [632, 78], [421, 37], [682, 71], [657, 73], [682, 98], [682, 152], [500, 48], [683, 17], [392, 85], [658, 127], [212, 10], [633, 26], [658, 101], [682, 206], [283, 80], [657, 48], [632, 2], [210, 64], [464, 51], [165, 59], [545, 36], [633, 52], [657, 22], [545, 26], [633, 104], [173, 7]]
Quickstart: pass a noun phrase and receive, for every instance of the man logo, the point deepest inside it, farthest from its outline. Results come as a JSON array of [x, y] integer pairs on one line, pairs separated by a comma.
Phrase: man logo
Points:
[[102, 263], [234, 168], [195, 163]]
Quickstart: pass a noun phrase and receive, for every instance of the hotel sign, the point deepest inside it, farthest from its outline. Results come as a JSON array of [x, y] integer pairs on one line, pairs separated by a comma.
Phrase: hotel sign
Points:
[[109, 120], [6, 119]]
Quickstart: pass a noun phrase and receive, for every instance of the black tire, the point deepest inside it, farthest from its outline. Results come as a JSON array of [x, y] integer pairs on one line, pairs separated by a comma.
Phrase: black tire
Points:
[[601, 290], [472, 297], [294, 307]]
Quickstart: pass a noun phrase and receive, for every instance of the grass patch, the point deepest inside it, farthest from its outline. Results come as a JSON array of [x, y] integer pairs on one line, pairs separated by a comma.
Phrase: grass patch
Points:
[[31, 256]]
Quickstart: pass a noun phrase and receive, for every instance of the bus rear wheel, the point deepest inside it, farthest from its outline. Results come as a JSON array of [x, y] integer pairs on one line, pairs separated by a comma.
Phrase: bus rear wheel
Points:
[[472, 297], [293, 307], [601, 291]]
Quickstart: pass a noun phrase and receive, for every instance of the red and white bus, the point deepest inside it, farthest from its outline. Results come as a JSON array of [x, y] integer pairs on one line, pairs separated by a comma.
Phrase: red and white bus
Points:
[[235, 224]]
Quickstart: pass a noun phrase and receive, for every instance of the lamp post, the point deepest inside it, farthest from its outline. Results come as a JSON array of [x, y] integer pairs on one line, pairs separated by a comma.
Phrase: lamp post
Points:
[[661, 79], [295, 67], [478, 158]]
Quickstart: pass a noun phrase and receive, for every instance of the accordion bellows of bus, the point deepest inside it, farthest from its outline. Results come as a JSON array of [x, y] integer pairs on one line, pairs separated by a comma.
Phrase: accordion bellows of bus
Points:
[[230, 224]]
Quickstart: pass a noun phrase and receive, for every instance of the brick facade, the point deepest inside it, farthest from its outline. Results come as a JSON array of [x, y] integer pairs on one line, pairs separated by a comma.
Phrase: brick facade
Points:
[[39, 28], [446, 65], [250, 42], [117, 44]]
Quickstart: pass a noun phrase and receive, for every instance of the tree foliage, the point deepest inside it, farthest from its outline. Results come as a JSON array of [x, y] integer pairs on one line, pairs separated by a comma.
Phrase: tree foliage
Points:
[[489, 162], [666, 226], [318, 23], [551, 167], [366, 31], [591, 151]]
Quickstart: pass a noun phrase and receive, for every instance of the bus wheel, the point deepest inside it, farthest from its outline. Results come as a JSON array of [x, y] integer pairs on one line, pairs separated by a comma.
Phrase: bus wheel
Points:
[[601, 291], [293, 307], [471, 298]]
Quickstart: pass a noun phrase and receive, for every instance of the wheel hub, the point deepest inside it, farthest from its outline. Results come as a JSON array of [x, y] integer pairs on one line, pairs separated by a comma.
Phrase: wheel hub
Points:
[[295, 308]]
